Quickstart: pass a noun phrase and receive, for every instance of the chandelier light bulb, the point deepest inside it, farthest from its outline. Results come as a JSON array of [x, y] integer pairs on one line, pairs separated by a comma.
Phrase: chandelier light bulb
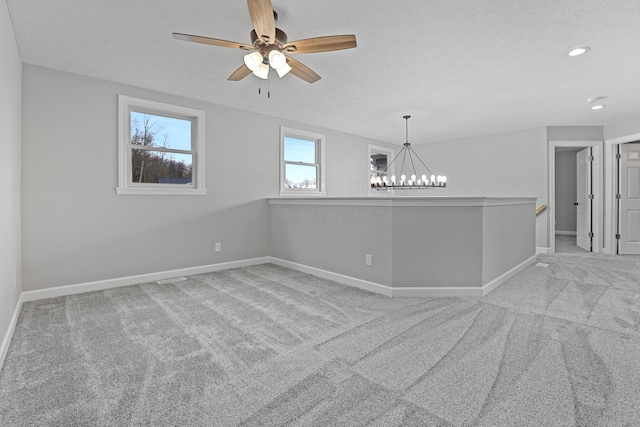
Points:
[[424, 178], [403, 177], [444, 178], [373, 180], [433, 179], [393, 179], [385, 179], [413, 177], [253, 60]]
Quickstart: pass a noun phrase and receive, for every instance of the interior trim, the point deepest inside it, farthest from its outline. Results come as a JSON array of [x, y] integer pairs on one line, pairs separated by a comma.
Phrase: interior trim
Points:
[[4, 347]]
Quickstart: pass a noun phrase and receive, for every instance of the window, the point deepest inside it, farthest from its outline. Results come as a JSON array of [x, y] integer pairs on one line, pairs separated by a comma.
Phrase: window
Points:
[[301, 162], [380, 159], [161, 148]]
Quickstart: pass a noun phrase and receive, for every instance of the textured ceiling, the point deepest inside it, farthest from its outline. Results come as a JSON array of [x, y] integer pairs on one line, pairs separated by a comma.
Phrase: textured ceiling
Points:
[[459, 67]]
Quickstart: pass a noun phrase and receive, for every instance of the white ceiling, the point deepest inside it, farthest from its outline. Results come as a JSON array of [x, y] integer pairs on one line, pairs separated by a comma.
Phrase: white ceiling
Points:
[[458, 67]]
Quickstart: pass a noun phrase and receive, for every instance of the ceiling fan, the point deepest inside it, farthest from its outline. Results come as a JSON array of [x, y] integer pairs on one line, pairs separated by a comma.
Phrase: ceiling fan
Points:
[[269, 46]]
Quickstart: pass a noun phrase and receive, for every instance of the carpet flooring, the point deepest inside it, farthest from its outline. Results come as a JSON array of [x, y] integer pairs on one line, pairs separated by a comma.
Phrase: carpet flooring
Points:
[[557, 345]]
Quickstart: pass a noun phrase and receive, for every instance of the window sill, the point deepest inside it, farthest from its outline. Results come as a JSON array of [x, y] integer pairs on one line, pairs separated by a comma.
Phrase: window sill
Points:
[[145, 191], [302, 193]]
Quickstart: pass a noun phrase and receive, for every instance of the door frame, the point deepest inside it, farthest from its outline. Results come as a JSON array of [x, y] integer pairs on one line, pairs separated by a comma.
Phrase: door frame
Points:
[[610, 181], [596, 189]]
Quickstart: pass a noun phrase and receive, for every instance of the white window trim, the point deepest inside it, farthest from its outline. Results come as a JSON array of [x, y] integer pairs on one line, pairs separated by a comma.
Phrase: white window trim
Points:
[[303, 134], [126, 104], [391, 155]]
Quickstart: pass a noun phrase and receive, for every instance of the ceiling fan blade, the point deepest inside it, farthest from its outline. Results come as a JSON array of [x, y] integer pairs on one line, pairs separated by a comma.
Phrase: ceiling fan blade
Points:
[[321, 44], [239, 74], [210, 41], [300, 70], [261, 12]]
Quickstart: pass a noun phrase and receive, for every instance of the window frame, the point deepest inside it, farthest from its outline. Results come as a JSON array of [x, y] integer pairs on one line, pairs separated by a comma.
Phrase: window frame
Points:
[[391, 155], [319, 139], [126, 105]]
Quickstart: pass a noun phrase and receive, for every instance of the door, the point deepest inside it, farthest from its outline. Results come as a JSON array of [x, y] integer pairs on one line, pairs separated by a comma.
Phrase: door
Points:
[[629, 206], [584, 198]]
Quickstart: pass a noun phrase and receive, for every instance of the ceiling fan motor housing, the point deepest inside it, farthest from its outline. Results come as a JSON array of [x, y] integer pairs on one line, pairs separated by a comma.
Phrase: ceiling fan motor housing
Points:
[[281, 38]]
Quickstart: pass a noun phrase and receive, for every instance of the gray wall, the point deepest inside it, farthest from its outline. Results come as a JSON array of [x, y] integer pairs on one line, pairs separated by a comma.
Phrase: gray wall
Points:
[[441, 245], [510, 164], [508, 238], [335, 238], [566, 187], [10, 119], [622, 128], [422, 243], [575, 133], [76, 229]]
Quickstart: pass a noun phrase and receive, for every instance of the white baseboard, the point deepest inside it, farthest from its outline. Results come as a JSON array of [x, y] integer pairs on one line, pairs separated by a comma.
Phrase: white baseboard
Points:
[[506, 276], [133, 280], [423, 292], [566, 233], [471, 292], [542, 250], [340, 278], [465, 292], [4, 347]]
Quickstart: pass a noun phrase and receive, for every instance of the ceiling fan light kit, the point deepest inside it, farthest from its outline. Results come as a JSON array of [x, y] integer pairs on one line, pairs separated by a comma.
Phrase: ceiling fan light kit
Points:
[[269, 47], [262, 72], [284, 70], [253, 60]]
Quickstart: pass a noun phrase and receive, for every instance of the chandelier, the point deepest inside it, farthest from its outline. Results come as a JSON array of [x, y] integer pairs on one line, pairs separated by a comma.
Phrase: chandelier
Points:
[[415, 181]]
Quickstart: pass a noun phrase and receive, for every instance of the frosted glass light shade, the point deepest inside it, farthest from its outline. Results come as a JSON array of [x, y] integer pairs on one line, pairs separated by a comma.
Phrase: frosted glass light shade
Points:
[[277, 59], [253, 60], [262, 71], [283, 70]]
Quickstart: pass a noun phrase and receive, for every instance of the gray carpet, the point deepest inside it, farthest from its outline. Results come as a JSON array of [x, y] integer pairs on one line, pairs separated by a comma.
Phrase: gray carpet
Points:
[[267, 346]]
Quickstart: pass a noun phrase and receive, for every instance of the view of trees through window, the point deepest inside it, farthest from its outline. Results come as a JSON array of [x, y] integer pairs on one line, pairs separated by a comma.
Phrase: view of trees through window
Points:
[[161, 150], [301, 168]]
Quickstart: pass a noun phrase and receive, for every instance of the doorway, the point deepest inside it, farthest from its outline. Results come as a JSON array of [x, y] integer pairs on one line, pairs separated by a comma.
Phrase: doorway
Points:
[[573, 207], [589, 223], [628, 197]]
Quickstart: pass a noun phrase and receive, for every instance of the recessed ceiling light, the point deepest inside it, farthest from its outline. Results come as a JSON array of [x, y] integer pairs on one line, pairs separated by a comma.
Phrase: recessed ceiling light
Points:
[[579, 51], [597, 107]]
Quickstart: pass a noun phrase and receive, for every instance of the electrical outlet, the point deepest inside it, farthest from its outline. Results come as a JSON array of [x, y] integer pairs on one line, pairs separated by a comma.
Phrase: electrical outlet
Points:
[[218, 247], [368, 260]]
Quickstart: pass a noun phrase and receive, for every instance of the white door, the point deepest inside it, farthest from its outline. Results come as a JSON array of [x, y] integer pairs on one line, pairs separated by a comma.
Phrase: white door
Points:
[[583, 197], [629, 207]]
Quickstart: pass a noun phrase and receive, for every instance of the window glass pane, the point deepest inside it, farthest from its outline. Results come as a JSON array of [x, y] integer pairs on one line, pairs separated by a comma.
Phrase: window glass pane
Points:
[[158, 167], [160, 131], [299, 176], [299, 150], [378, 164]]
